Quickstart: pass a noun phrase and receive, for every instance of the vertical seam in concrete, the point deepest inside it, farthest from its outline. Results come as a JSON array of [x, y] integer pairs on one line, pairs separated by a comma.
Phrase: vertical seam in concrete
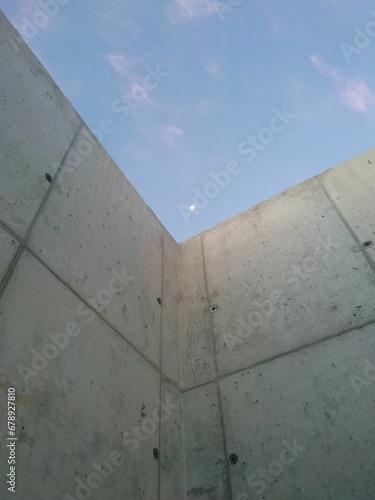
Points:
[[182, 336], [97, 313], [216, 381], [347, 225], [24, 241], [180, 382], [161, 354], [183, 443]]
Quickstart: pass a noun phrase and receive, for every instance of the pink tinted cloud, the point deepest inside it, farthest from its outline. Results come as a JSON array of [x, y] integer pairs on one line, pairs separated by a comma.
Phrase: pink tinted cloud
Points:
[[354, 94], [358, 96]]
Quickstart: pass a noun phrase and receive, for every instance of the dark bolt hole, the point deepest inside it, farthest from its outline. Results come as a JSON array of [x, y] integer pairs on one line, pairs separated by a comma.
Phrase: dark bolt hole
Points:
[[49, 177], [367, 244], [155, 452], [213, 308], [233, 459], [159, 301]]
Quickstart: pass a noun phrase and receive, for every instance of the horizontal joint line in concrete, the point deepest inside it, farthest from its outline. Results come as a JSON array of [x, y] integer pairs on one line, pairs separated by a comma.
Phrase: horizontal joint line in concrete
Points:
[[23, 242], [97, 313], [281, 355]]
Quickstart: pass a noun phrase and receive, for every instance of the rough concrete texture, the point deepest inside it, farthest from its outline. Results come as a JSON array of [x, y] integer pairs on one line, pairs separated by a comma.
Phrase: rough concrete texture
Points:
[[81, 305], [77, 403], [307, 404], [172, 467], [239, 364], [28, 97], [279, 275], [171, 343], [8, 249], [198, 362], [351, 189], [84, 212], [206, 463]]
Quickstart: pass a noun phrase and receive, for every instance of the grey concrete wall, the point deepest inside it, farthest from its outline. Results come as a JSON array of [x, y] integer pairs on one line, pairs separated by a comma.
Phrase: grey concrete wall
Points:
[[285, 295], [88, 306], [242, 359]]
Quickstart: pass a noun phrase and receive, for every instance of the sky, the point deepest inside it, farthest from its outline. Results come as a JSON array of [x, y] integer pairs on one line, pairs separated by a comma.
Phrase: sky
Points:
[[210, 107]]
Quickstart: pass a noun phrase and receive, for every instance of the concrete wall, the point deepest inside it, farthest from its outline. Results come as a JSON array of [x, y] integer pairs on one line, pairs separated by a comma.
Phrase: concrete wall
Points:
[[88, 305], [256, 339], [281, 354]]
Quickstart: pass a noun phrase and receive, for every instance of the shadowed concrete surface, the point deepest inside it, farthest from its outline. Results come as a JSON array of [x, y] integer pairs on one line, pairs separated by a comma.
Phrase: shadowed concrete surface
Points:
[[238, 364]]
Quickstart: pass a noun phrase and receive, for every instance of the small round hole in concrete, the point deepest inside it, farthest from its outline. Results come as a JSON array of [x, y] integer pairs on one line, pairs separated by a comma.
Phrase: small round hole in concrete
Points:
[[49, 177], [367, 244], [159, 301], [233, 459], [213, 308], [155, 452]]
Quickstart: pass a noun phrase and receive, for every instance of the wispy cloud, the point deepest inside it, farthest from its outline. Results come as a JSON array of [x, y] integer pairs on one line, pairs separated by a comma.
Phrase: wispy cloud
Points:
[[326, 69], [355, 94], [171, 133], [186, 10], [358, 95]]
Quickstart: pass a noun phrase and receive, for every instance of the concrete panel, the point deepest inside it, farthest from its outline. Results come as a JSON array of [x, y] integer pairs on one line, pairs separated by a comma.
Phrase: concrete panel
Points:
[[171, 348], [172, 464], [198, 363], [351, 187], [284, 274], [101, 238], [302, 425], [8, 249], [90, 399], [207, 476], [37, 127]]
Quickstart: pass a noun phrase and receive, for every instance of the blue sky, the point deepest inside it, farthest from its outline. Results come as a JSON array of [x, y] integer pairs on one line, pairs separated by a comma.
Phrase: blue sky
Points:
[[270, 92]]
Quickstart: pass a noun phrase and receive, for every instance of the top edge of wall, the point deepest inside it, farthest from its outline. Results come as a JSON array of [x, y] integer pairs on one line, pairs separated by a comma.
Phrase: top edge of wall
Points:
[[221, 225], [23, 47]]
